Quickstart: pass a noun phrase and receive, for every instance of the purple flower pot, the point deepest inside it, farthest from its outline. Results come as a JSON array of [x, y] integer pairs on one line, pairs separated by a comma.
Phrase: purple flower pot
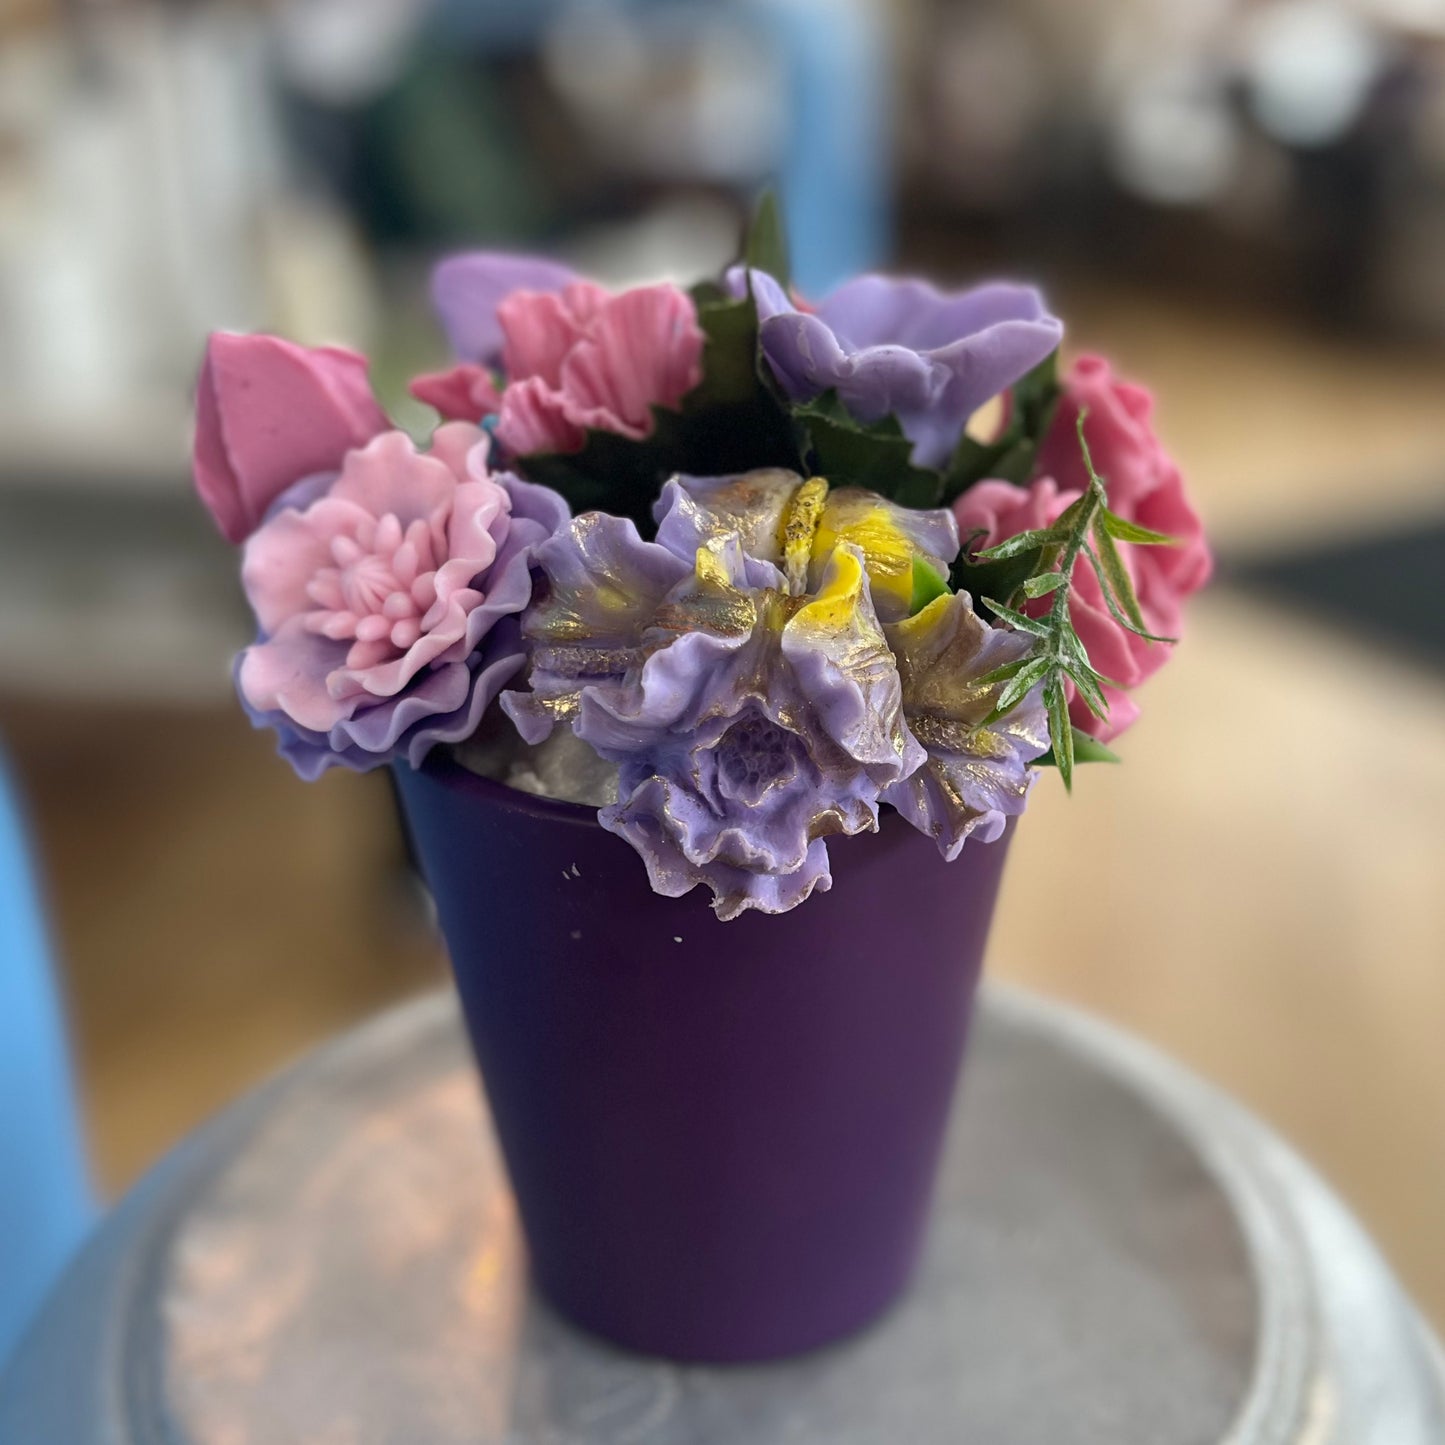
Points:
[[722, 1136]]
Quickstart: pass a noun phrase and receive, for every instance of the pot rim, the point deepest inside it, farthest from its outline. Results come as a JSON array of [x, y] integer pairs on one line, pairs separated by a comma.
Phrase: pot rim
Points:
[[442, 767]]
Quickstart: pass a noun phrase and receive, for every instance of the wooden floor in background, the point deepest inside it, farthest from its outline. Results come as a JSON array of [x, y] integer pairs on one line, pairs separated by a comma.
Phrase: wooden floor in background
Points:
[[214, 916], [1260, 889]]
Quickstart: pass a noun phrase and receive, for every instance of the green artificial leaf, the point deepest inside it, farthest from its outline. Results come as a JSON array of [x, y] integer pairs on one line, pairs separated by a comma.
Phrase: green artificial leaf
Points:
[[1122, 531], [993, 579], [732, 421], [1021, 542], [928, 586], [1034, 626], [1061, 731], [1060, 656], [1087, 681], [875, 455], [730, 352], [1010, 457], [1113, 574], [1020, 686], [1069, 517], [765, 247], [1042, 583], [1133, 623], [1008, 670], [1086, 750], [708, 293]]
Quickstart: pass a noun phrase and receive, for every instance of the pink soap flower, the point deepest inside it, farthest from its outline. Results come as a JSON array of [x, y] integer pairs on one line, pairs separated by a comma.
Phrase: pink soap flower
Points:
[[268, 413], [375, 591], [466, 392], [1144, 486], [575, 359], [582, 358]]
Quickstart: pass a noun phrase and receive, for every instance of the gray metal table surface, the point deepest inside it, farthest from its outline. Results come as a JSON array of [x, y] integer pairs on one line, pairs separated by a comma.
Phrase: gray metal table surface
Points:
[[1119, 1254]]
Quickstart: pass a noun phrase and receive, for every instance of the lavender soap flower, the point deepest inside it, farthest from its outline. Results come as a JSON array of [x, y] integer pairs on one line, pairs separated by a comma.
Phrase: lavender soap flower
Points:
[[737, 672], [901, 347]]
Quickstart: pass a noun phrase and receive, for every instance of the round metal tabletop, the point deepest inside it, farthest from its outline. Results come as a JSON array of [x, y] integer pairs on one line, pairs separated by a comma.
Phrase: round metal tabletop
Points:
[[1118, 1255]]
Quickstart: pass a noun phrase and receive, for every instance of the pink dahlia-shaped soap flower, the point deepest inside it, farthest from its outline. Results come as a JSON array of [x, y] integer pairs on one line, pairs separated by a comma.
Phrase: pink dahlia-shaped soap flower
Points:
[[377, 592], [1144, 486], [575, 357], [269, 412]]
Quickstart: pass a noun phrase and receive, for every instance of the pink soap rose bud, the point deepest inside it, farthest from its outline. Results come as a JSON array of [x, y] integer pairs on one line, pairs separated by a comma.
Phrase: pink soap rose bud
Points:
[[1144, 486], [466, 392], [269, 413], [581, 359]]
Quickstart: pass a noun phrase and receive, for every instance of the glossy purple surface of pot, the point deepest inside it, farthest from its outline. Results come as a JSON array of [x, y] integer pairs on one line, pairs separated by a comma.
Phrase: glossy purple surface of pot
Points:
[[722, 1136]]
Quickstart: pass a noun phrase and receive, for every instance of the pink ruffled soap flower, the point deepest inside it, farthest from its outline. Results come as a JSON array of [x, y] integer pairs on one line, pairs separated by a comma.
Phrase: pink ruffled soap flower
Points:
[[374, 592], [464, 393], [269, 412], [575, 359], [1144, 486]]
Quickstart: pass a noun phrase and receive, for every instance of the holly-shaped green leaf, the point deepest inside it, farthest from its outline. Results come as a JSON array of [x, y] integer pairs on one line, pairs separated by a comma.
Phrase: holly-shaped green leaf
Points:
[[992, 576], [876, 455]]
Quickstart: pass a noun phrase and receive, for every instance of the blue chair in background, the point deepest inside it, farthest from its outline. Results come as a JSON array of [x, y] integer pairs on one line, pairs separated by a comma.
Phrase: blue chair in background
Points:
[[45, 1201], [834, 176]]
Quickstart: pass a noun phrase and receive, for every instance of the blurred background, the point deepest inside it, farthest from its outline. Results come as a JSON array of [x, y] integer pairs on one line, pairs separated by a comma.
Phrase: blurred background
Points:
[[1241, 201]]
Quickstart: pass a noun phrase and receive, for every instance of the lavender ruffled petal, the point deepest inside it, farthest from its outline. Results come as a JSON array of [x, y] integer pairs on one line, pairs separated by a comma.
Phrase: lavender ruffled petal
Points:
[[737, 674], [976, 776], [603, 587], [693, 511], [903, 348], [751, 729], [841, 660], [641, 820]]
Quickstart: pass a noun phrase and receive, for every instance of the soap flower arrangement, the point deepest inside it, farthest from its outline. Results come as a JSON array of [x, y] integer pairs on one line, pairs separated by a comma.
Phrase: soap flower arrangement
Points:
[[729, 563]]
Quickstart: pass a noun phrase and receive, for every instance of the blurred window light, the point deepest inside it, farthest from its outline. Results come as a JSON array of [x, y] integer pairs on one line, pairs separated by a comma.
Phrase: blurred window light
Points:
[[1421, 16], [1173, 141], [1310, 65], [990, 89], [677, 90], [345, 52]]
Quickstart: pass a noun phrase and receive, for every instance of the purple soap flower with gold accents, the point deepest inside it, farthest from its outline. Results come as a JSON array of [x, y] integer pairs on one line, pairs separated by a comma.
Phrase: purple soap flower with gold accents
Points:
[[602, 588], [796, 526], [977, 774], [751, 715], [901, 347], [738, 674], [758, 725]]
